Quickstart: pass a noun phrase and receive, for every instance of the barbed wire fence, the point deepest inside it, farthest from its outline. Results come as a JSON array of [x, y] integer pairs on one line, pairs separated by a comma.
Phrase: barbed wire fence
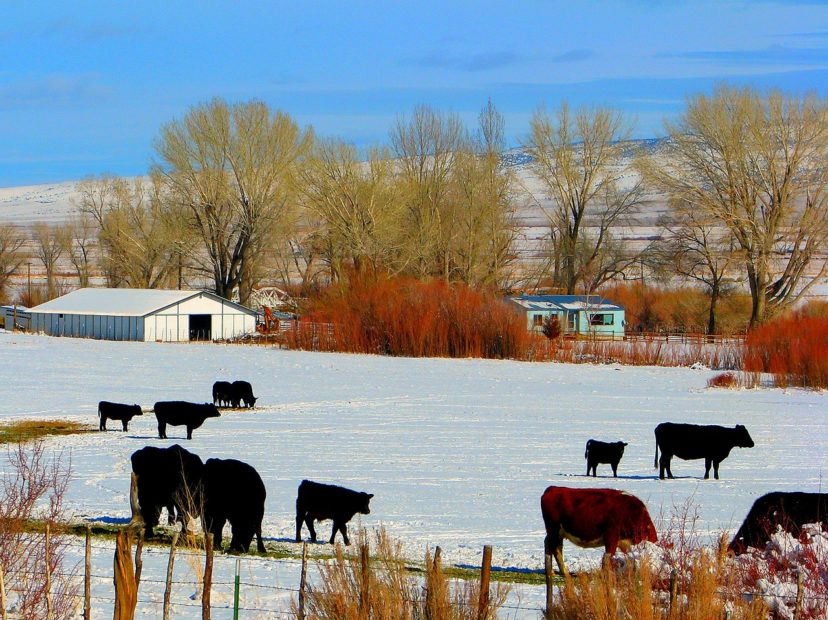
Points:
[[98, 591]]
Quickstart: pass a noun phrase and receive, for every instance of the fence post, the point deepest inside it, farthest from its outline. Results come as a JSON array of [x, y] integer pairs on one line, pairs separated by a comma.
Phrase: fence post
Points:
[[800, 591], [126, 594], [673, 592], [208, 577], [236, 591], [168, 586], [139, 564], [2, 594], [303, 576], [485, 573], [48, 559], [87, 575], [549, 570], [364, 590]]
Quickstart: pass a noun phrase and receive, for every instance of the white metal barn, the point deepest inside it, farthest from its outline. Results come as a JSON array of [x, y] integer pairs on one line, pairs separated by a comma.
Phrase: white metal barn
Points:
[[142, 314]]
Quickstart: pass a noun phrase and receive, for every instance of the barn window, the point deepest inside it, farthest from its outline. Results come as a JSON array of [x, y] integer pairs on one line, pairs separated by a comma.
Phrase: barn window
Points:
[[601, 319], [537, 320]]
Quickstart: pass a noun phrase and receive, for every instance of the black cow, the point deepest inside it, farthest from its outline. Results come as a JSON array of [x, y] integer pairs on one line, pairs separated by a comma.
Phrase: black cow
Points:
[[317, 501], [692, 441], [790, 511], [602, 452], [181, 413], [234, 491], [117, 411], [222, 393], [243, 392], [167, 477]]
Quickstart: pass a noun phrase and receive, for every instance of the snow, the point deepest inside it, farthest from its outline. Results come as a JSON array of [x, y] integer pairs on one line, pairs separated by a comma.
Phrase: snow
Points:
[[114, 301], [457, 452]]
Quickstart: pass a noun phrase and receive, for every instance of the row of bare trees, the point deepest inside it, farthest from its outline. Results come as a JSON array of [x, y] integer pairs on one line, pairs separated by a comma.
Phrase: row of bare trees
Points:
[[239, 193]]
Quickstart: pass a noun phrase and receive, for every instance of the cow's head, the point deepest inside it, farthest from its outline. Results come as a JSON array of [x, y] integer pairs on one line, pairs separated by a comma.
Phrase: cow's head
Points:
[[212, 411], [252, 400], [365, 498], [136, 410], [743, 438]]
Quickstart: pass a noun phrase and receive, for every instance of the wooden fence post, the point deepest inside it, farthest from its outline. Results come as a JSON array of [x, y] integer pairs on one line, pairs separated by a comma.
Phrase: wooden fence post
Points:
[[126, 594], [485, 574], [139, 564], [303, 577], [87, 575], [168, 587], [364, 590], [800, 592], [673, 592], [549, 570], [2, 594], [208, 577], [48, 559]]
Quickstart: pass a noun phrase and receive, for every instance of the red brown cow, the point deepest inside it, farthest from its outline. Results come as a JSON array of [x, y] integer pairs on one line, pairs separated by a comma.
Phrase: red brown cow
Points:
[[594, 517]]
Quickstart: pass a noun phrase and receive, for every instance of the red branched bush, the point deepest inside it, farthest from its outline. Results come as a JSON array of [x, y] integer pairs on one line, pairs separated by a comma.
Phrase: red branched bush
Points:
[[793, 348], [724, 380], [414, 318]]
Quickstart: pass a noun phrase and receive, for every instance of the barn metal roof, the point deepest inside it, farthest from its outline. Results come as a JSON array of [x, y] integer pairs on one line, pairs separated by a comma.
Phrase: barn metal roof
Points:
[[564, 302], [122, 301]]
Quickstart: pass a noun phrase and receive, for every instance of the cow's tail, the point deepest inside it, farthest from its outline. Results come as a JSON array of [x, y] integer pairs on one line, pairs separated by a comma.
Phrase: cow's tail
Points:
[[655, 460], [586, 451]]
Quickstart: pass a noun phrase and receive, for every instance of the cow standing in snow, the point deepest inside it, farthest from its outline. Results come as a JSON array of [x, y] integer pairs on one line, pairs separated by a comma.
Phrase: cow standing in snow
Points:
[[692, 441], [602, 452]]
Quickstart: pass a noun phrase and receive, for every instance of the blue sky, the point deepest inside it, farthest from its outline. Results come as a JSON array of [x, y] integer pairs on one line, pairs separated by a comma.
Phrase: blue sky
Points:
[[85, 86]]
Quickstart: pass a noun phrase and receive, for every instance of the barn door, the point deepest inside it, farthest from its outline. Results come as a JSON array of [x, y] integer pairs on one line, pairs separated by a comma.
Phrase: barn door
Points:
[[201, 327]]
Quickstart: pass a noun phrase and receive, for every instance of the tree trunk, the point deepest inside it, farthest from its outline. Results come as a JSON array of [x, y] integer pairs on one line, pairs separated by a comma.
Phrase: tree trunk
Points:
[[714, 300]]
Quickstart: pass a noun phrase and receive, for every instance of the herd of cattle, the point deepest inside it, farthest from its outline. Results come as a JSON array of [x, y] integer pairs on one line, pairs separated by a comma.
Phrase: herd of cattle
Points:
[[226, 490]]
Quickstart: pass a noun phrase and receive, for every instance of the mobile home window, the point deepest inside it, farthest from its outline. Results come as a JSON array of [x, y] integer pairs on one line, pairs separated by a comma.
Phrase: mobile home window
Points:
[[537, 320], [601, 319]]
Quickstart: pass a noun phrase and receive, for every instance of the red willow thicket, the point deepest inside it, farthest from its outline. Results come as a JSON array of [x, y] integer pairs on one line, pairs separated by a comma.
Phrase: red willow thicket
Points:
[[793, 348], [409, 317]]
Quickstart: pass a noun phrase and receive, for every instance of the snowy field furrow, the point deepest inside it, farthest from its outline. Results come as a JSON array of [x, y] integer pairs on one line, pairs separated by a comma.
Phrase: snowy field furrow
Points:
[[457, 452]]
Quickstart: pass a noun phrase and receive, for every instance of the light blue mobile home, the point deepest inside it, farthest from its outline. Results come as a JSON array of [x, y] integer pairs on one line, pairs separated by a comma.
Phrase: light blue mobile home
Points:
[[577, 314]]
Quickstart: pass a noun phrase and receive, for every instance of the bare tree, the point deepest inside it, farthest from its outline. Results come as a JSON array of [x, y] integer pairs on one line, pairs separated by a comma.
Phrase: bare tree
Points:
[[139, 232], [577, 156], [229, 166], [357, 204], [425, 146], [697, 248], [483, 212], [80, 239], [50, 241], [12, 255], [755, 164]]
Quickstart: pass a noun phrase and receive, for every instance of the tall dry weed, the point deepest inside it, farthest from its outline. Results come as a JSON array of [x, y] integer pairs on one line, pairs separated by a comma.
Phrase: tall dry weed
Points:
[[389, 591]]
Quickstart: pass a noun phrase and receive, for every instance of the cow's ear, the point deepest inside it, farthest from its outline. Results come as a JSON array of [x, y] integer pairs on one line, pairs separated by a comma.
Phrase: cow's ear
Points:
[[625, 443], [370, 495]]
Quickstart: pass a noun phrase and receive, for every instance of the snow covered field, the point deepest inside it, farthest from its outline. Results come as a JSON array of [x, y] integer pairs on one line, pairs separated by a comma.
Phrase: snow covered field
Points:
[[457, 452]]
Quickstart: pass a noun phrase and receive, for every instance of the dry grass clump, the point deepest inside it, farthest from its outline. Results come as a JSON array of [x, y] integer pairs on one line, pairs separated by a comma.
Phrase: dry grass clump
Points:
[[30, 430], [393, 592]]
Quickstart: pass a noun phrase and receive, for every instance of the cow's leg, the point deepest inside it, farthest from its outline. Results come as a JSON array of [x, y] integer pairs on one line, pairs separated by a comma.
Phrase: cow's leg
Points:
[[259, 544], [299, 519], [189, 432], [309, 523], [589, 467], [716, 469], [162, 430], [343, 527], [102, 425], [553, 546], [707, 463], [125, 423], [216, 528], [664, 465], [614, 469]]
